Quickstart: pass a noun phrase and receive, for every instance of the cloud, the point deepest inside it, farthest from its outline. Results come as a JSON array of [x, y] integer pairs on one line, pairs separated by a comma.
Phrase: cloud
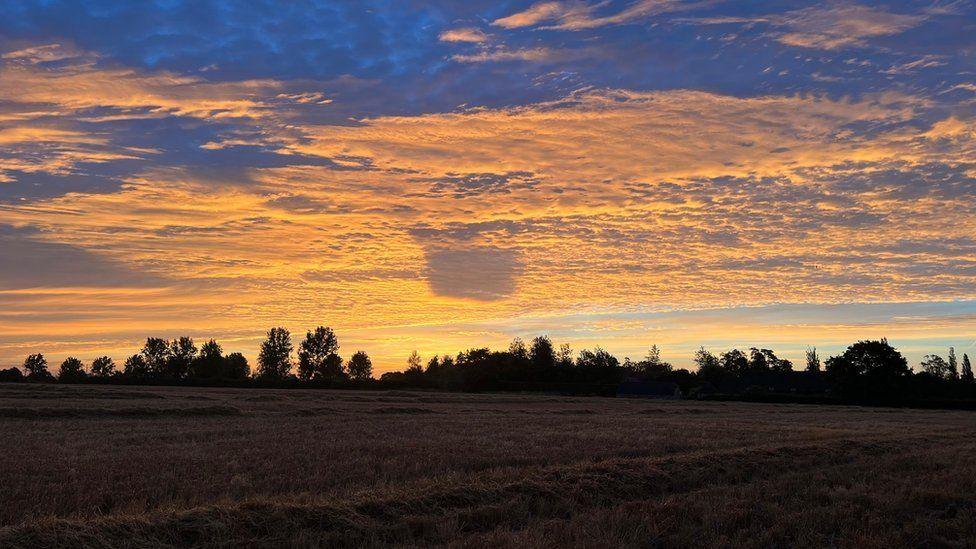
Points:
[[482, 273], [837, 26], [501, 54], [578, 15], [29, 261], [463, 34]]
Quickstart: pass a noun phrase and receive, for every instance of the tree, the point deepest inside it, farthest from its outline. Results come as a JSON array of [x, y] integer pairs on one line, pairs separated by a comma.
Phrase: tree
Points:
[[155, 354], [235, 366], [813, 361], [518, 351], [433, 365], [869, 367], [775, 363], [953, 365], [709, 367], [71, 371], [209, 364], [103, 367], [318, 356], [36, 368], [135, 366], [541, 353], [734, 361], [967, 369], [596, 359], [936, 366], [182, 351], [652, 367], [414, 363], [274, 359], [360, 367], [564, 358]]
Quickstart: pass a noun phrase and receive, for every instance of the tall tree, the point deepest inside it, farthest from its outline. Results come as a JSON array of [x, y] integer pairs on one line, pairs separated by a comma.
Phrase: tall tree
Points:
[[541, 354], [967, 369], [564, 358], [274, 359], [135, 366], [36, 368], [318, 356], [734, 361], [813, 360], [235, 366], [209, 364], [953, 364], [360, 366], [103, 367], [182, 351], [518, 350], [709, 367], [652, 367], [71, 371], [414, 363], [155, 354], [936, 366]]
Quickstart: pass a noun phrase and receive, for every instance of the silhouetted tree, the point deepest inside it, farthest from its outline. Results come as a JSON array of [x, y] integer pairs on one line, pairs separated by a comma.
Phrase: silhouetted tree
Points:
[[274, 359], [135, 366], [596, 359], [414, 363], [103, 367], [564, 358], [155, 354], [953, 365], [318, 356], [182, 351], [967, 369], [360, 367], [11, 375], [542, 355], [936, 366], [235, 366], [36, 368], [209, 364], [872, 368], [652, 367], [734, 361], [709, 367], [813, 360], [71, 371], [518, 351]]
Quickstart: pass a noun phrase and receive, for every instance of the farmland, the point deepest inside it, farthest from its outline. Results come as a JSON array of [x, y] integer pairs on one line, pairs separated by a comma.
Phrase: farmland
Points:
[[156, 466]]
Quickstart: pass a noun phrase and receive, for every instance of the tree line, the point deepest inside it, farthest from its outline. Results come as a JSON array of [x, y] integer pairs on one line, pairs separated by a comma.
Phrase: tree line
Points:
[[866, 370]]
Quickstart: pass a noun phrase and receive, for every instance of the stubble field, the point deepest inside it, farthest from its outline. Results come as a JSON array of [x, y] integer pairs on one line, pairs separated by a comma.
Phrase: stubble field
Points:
[[169, 466]]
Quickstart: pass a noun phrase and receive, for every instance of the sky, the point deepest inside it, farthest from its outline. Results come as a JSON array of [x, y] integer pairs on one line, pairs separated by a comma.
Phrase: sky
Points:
[[445, 175]]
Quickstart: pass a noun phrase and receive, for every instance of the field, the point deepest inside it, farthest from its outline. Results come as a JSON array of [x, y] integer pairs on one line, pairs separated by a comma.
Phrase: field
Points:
[[167, 466]]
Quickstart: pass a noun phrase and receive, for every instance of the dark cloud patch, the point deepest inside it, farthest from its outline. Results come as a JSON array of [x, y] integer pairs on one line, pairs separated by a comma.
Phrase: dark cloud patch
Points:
[[465, 185], [484, 273], [26, 261]]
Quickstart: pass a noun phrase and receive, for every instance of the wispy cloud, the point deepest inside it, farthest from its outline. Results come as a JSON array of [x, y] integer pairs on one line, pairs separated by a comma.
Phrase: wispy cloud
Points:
[[580, 15], [836, 26], [463, 34]]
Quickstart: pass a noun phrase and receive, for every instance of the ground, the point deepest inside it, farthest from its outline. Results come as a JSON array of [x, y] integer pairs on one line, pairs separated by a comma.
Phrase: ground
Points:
[[171, 466]]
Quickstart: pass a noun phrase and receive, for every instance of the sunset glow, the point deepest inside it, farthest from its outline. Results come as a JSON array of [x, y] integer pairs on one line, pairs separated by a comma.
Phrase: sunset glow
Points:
[[614, 174]]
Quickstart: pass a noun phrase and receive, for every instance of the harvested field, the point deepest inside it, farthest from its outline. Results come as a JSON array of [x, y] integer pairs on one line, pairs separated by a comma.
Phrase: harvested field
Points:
[[166, 466]]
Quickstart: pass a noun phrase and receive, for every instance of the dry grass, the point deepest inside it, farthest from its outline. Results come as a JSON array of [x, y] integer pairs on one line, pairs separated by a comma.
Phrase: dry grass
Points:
[[134, 467]]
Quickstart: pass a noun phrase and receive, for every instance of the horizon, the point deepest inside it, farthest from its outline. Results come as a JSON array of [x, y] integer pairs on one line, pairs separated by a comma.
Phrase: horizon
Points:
[[443, 177]]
